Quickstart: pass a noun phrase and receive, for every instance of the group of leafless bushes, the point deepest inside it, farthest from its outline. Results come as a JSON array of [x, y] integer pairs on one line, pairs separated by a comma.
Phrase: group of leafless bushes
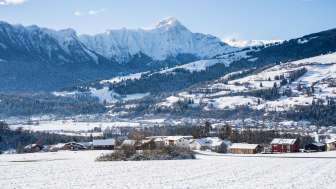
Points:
[[163, 153]]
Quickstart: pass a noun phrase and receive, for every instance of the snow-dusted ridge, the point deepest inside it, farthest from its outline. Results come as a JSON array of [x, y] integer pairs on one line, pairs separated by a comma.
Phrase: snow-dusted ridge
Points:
[[250, 43], [64, 43], [167, 39]]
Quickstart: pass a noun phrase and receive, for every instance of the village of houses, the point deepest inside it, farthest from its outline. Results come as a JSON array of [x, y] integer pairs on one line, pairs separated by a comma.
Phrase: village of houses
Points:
[[213, 144]]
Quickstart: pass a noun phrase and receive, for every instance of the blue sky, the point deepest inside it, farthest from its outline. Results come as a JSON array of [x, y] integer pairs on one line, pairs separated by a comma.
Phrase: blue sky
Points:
[[242, 19]]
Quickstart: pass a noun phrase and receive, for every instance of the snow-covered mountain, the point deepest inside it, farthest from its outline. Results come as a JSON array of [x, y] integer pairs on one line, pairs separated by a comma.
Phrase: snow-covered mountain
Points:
[[168, 38], [35, 58], [33, 42], [250, 43], [61, 58]]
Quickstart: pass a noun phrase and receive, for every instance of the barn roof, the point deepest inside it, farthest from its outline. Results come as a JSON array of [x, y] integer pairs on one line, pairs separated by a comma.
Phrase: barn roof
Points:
[[201, 142], [178, 137], [211, 141], [319, 144], [145, 141], [243, 146], [328, 141], [129, 142], [159, 139], [103, 142], [283, 141]]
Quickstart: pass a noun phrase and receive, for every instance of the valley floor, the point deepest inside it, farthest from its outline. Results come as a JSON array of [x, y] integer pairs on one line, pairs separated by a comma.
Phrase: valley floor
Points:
[[79, 170]]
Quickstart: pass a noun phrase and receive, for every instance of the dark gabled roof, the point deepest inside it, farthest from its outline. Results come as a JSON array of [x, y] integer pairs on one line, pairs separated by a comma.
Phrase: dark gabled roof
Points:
[[319, 144]]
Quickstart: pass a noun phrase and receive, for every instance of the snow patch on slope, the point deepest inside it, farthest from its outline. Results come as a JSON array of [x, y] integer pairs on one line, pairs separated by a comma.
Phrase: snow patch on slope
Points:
[[124, 78], [109, 96], [325, 59], [303, 41], [202, 65], [230, 102], [169, 101], [104, 95], [198, 66]]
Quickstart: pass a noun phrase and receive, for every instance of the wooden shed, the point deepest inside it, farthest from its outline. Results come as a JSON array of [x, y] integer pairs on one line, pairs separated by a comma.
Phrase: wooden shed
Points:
[[104, 144], [244, 148]]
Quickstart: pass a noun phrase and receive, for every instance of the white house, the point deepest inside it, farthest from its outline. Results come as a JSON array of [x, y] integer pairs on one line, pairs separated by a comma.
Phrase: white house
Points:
[[128, 142], [200, 144], [219, 145], [331, 144], [180, 141], [212, 143]]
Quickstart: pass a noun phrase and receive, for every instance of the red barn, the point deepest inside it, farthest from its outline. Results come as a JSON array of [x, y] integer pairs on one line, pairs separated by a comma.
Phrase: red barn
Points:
[[281, 145]]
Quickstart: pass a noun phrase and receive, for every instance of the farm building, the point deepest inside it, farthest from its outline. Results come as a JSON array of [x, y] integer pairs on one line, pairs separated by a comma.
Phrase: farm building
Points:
[[73, 146], [220, 146], [180, 141], [331, 144], [200, 144], [159, 141], [104, 144], [316, 147], [128, 142], [210, 143], [148, 144], [281, 145], [31, 148], [56, 147], [244, 148]]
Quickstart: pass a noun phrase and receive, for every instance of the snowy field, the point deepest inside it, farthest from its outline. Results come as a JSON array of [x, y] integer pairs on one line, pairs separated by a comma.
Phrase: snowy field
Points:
[[79, 170], [69, 125]]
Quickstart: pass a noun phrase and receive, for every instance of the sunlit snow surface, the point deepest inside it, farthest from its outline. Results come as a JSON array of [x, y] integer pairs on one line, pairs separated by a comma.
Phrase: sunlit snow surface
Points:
[[250, 43], [79, 170], [168, 38]]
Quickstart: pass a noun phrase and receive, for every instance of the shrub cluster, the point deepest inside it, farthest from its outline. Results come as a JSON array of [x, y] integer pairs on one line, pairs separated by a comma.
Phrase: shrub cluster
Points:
[[164, 153]]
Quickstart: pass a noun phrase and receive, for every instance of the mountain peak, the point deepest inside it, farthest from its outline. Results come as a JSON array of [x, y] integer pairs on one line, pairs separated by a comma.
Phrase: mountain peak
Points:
[[68, 32], [170, 22]]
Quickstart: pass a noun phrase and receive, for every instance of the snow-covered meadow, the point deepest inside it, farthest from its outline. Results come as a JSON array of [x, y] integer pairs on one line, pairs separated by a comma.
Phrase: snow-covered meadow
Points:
[[79, 170], [69, 125]]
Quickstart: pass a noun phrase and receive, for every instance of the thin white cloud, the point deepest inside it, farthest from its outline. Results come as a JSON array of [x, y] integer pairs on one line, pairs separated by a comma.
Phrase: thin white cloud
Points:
[[89, 12], [95, 12], [78, 13], [11, 2]]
